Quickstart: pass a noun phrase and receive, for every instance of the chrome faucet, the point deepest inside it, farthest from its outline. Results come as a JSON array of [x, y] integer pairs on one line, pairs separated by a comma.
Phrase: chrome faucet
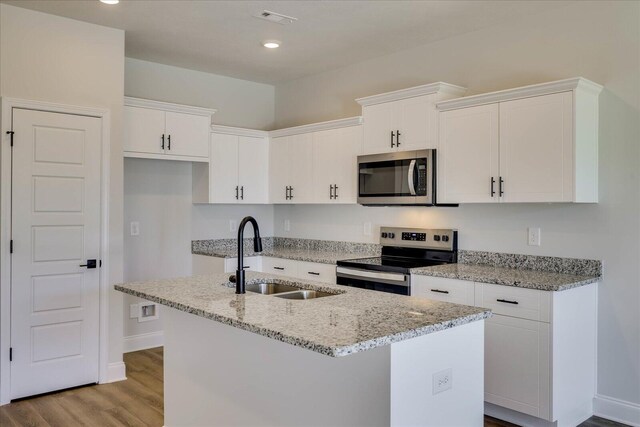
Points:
[[257, 247]]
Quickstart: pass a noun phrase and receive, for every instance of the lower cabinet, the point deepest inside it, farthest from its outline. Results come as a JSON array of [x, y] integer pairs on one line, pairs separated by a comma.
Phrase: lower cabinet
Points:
[[539, 348], [205, 264]]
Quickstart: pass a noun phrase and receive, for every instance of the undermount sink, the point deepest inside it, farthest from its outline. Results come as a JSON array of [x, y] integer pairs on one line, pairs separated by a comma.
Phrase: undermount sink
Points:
[[270, 288], [304, 294]]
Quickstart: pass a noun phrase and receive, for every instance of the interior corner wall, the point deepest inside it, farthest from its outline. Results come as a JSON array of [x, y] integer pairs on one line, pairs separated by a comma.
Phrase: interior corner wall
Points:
[[596, 40], [49, 58], [157, 193]]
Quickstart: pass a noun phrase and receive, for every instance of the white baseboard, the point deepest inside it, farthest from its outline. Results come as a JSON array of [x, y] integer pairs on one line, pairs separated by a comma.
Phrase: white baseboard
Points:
[[617, 410], [143, 341], [116, 371]]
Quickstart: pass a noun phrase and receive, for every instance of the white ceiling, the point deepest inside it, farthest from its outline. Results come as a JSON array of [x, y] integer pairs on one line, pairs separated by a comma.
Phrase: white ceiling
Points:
[[223, 37]]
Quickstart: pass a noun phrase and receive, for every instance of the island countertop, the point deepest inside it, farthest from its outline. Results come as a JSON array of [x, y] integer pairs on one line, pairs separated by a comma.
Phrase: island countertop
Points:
[[352, 321]]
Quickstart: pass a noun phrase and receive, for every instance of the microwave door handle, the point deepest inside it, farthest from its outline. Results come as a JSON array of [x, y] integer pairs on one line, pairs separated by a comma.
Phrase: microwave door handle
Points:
[[412, 168]]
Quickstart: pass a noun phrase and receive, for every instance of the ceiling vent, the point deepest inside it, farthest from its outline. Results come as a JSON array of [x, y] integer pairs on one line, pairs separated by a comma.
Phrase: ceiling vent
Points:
[[278, 18]]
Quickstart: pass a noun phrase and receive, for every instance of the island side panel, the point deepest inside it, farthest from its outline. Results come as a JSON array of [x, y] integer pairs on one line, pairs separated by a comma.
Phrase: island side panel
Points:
[[216, 374], [415, 362]]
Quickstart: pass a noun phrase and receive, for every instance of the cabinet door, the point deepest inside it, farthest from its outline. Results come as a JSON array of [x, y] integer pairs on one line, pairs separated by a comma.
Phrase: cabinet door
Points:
[[317, 272], [335, 154], [517, 370], [189, 134], [279, 169], [283, 267], [443, 289], [223, 168], [378, 122], [143, 130], [468, 155], [301, 167], [536, 148], [415, 119], [253, 174], [251, 263]]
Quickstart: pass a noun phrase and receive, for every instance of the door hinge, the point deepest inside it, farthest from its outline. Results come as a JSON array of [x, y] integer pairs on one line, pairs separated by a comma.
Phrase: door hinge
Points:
[[11, 246], [10, 133], [10, 354]]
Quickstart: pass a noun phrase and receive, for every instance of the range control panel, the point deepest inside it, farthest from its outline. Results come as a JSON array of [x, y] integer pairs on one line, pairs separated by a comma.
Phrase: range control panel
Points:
[[440, 239]]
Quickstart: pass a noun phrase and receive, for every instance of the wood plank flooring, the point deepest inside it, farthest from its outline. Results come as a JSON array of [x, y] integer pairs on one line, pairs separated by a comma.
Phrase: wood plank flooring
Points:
[[136, 402]]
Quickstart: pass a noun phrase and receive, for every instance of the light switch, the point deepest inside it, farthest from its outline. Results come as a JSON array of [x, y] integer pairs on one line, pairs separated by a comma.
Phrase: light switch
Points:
[[287, 225], [135, 228], [534, 236]]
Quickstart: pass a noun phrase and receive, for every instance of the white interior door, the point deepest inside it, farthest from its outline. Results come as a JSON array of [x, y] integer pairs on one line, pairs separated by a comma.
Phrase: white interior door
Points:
[[55, 229], [253, 174], [223, 168]]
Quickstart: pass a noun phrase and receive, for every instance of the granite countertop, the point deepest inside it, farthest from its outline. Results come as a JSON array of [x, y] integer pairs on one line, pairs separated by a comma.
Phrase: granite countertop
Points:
[[355, 320], [309, 255], [522, 278]]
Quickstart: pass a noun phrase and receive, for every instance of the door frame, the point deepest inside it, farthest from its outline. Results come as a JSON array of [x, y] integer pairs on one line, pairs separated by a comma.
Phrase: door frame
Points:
[[7, 105]]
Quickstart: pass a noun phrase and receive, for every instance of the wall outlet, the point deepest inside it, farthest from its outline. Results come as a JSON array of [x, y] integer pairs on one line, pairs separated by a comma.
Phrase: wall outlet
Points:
[[135, 228], [442, 381], [366, 229], [233, 225], [287, 225], [534, 236], [148, 311]]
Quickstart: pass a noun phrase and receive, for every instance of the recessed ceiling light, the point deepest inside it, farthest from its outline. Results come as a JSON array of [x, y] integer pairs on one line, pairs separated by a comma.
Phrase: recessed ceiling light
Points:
[[110, 1], [271, 44]]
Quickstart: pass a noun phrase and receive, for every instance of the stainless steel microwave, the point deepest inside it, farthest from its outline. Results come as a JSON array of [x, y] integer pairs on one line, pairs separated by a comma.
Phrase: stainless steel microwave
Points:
[[399, 178]]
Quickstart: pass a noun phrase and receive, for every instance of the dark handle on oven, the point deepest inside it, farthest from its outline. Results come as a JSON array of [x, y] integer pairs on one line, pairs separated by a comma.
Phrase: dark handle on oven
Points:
[[439, 291], [163, 141], [500, 184], [314, 273], [397, 138], [507, 301], [493, 182], [393, 134]]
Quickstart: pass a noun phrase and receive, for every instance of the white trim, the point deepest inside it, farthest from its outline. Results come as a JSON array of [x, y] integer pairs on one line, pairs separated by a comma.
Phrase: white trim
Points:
[[136, 155], [229, 130], [8, 104], [167, 106], [439, 87], [521, 92], [116, 371], [617, 410], [143, 341], [315, 127]]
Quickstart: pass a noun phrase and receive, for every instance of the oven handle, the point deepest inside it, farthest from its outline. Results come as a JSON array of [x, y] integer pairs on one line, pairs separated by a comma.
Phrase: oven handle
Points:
[[396, 278], [412, 170]]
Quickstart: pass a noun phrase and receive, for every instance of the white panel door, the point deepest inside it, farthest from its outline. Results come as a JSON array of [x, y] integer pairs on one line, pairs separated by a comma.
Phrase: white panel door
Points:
[[301, 167], [279, 169], [253, 176], [536, 148], [468, 155], [143, 130], [378, 122], [335, 155], [415, 121], [223, 169], [55, 229], [187, 134]]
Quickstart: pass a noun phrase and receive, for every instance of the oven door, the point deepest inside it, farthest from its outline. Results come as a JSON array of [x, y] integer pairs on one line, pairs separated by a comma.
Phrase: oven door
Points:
[[394, 283], [402, 178]]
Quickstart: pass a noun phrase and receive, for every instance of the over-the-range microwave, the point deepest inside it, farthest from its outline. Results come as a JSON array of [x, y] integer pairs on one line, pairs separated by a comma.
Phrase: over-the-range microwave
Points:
[[399, 178]]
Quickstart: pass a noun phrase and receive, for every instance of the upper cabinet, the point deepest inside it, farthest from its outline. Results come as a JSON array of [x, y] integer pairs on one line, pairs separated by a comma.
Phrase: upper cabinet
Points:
[[238, 170], [533, 144], [405, 119], [292, 169], [159, 130]]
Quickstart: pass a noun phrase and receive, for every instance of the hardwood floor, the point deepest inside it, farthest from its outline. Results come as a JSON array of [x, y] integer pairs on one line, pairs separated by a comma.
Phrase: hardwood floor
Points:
[[138, 401]]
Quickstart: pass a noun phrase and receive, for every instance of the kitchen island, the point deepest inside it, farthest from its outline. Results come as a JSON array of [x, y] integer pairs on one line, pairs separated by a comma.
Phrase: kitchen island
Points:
[[352, 357]]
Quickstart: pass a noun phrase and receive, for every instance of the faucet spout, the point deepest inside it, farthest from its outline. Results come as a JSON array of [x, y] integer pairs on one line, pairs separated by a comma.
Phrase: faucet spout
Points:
[[257, 247]]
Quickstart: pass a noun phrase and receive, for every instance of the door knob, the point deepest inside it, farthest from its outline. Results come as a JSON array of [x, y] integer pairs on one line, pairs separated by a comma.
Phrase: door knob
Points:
[[91, 263]]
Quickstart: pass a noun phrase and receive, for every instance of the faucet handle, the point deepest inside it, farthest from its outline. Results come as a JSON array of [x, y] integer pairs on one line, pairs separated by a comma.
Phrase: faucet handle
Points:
[[232, 278]]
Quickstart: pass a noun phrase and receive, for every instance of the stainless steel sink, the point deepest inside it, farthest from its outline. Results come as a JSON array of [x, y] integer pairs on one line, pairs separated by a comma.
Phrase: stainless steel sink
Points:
[[304, 294], [270, 288]]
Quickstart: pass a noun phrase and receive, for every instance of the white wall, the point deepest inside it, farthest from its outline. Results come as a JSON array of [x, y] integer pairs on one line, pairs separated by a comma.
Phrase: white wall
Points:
[[157, 194], [49, 58], [597, 40]]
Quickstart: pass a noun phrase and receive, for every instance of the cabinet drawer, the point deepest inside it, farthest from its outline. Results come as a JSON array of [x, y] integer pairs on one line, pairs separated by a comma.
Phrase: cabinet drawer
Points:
[[315, 271], [283, 267], [442, 289], [511, 301], [253, 263]]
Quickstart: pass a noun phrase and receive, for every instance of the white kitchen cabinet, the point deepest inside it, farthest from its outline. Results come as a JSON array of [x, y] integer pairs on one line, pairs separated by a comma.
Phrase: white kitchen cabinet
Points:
[[443, 289], [238, 170], [280, 266], [335, 153], [205, 264], [251, 263], [291, 172], [159, 130], [404, 120], [316, 271], [533, 144]]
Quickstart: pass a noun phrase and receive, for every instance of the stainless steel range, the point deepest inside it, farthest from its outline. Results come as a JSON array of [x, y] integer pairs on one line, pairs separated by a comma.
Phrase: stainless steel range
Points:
[[402, 250]]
